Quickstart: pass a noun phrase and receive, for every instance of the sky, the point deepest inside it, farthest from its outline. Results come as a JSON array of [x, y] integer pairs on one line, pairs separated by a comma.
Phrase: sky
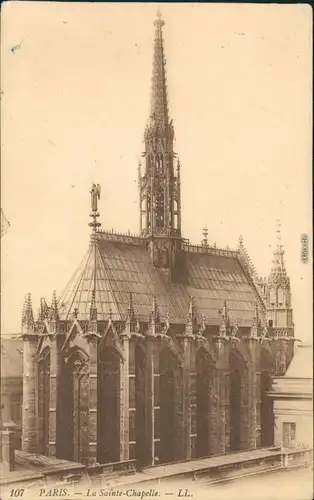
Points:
[[75, 89]]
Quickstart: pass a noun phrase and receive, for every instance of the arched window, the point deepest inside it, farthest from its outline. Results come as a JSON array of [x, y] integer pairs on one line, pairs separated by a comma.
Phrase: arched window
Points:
[[272, 296], [281, 297], [238, 402], [43, 402], [169, 427], [108, 418], [205, 393]]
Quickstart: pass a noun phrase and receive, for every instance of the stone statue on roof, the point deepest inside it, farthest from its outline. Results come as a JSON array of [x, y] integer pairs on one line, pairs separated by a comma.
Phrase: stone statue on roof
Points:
[[95, 196]]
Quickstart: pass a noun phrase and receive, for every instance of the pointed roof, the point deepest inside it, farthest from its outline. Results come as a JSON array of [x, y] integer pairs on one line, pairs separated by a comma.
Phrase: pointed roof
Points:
[[27, 313], [118, 265], [278, 272], [159, 102], [89, 287], [54, 308], [43, 312]]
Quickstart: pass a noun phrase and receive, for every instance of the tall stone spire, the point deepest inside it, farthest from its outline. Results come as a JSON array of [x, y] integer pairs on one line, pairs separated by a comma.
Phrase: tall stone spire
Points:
[[160, 213], [159, 102]]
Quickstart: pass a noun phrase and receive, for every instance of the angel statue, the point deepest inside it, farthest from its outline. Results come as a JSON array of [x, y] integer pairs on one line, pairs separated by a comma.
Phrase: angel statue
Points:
[[95, 196]]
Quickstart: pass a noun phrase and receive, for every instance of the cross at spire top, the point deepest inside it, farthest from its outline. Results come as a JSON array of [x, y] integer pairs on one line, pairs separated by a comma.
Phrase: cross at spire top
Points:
[[159, 22]]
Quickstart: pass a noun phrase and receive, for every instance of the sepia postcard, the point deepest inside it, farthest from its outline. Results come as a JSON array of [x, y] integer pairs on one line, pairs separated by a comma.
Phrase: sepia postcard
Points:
[[156, 251]]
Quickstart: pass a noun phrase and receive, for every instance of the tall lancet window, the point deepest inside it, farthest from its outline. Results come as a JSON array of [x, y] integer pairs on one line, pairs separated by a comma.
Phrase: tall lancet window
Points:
[[272, 296], [281, 297]]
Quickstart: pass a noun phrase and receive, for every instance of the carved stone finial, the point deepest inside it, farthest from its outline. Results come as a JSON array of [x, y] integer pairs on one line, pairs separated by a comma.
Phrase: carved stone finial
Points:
[[43, 312], [155, 311], [225, 320], [255, 322], [240, 242], [138, 324], [191, 320], [154, 322], [235, 328], [95, 196], [203, 325], [205, 237], [130, 311], [93, 308], [54, 308], [159, 22], [110, 314], [27, 314]]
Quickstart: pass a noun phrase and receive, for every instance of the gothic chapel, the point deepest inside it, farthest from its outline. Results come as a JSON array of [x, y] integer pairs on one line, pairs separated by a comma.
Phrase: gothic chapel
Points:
[[158, 350]]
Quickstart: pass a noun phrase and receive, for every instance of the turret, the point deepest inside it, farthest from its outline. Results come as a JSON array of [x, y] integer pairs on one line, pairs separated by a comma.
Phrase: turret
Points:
[[278, 292]]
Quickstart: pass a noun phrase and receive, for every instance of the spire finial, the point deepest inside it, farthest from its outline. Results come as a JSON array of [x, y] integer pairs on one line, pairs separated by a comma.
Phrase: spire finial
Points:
[[130, 311], [93, 308], [225, 320], [159, 22], [240, 242], [191, 320], [43, 312], [54, 308], [155, 310], [159, 104], [278, 231], [205, 234], [278, 253], [27, 313], [95, 196]]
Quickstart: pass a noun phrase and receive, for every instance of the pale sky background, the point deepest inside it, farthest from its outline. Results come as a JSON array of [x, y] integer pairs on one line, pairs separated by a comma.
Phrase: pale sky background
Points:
[[75, 100]]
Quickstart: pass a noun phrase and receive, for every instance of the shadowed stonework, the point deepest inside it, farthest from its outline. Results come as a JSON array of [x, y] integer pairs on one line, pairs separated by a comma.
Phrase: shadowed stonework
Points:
[[158, 350]]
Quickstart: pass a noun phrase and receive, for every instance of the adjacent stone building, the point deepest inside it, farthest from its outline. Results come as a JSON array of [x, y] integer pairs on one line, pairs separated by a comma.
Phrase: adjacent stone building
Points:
[[158, 350], [293, 401], [11, 386]]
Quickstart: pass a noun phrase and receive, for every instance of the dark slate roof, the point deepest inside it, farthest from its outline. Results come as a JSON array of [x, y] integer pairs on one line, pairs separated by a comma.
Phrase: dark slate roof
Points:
[[11, 358], [123, 267]]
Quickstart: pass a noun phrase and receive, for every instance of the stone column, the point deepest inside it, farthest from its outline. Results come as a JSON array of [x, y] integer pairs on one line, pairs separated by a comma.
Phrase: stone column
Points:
[[149, 401], [253, 396], [29, 414], [186, 452], [124, 399], [53, 398], [221, 444], [93, 382]]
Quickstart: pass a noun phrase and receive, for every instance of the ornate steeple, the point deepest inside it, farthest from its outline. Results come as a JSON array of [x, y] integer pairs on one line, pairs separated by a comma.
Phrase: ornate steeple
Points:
[[278, 291], [160, 213]]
